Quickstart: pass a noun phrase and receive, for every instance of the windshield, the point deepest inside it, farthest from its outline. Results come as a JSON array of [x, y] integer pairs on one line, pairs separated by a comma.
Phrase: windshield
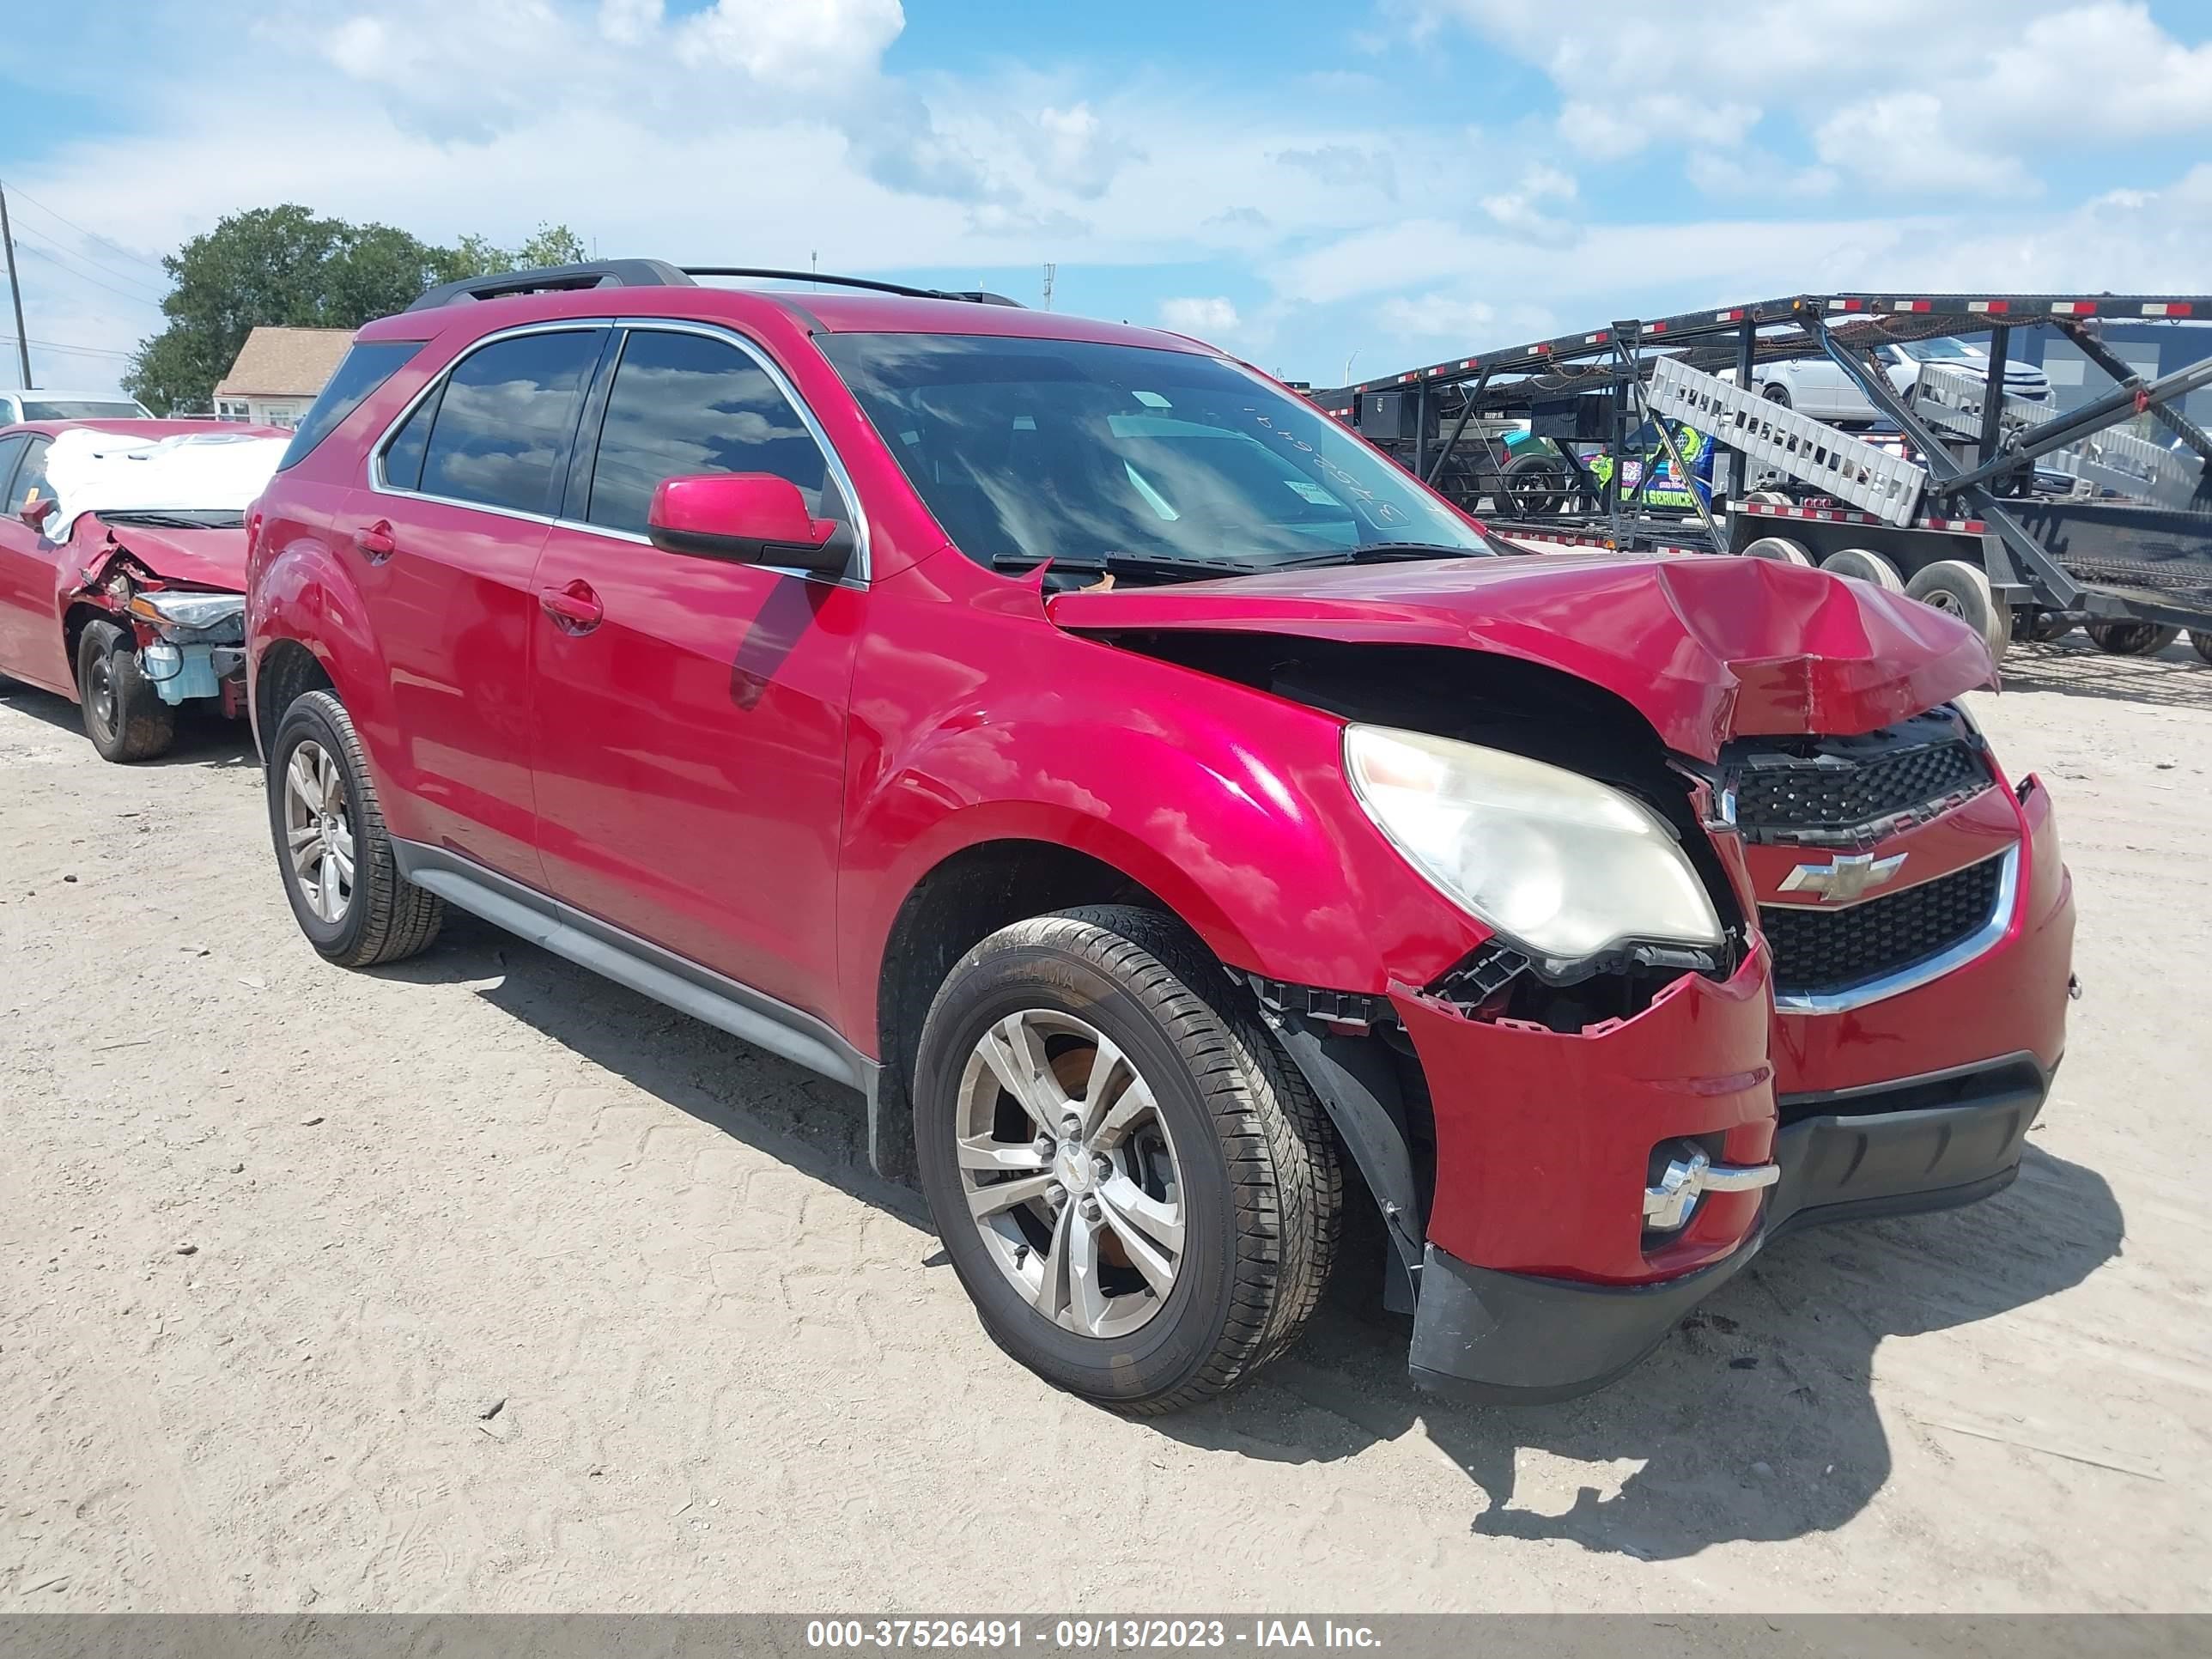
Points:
[[82, 409], [1098, 454], [1930, 351]]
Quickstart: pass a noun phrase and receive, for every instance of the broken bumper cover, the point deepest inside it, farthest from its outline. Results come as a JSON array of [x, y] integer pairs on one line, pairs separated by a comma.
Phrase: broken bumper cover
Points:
[[1519, 1338]]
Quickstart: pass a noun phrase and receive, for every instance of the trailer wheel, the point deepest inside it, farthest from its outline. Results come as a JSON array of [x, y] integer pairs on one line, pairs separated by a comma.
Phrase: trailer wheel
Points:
[[1963, 591], [1780, 549], [2132, 639], [2048, 627], [1536, 484], [2201, 638], [1862, 566]]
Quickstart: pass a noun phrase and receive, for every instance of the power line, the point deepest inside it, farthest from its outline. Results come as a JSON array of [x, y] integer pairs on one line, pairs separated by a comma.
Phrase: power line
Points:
[[56, 261], [77, 350], [138, 258], [77, 257]]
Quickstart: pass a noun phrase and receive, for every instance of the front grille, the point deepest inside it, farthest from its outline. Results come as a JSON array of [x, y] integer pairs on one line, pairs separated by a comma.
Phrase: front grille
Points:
[[1816, 950], [1784, 794]]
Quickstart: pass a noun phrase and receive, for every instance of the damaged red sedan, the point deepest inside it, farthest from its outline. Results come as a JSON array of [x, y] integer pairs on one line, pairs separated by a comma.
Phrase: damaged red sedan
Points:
[[122, 569], [1179, 823]]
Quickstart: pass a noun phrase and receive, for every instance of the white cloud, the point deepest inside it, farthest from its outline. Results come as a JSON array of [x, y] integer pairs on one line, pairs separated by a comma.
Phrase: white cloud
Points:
[[1901, 94], [800, 44], [1438, 316], [1201, 317], [626, 22], [1079, 151], [1902, 142]]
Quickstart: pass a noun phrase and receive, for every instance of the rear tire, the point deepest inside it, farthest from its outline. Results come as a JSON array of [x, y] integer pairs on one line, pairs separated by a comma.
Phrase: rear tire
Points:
[[1780, 549], [1775, 393], [2131, 639], [1242, 1157], [124, 714], [1962, 590], [2200, 640], [332, 849], [2045, 628], [1862, 566]]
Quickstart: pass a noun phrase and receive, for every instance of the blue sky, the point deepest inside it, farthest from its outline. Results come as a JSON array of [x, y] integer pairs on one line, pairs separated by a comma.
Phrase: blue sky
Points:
[[1382, 181]]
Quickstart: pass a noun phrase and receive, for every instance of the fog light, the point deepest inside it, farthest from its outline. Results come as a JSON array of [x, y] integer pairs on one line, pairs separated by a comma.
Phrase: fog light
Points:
[[1687, 1175]]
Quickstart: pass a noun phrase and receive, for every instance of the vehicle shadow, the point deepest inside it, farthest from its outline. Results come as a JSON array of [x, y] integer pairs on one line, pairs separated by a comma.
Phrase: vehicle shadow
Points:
[[816, 1127], [1755, 1421], [2177, 677], [203, 738]]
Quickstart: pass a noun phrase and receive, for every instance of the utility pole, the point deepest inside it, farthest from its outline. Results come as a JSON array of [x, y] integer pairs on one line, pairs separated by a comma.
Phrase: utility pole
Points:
[[1050, 272], [15, 292]]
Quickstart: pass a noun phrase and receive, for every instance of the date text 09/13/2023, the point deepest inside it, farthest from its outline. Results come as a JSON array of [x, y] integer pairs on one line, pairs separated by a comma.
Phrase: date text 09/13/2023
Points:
[[1080, 1635]]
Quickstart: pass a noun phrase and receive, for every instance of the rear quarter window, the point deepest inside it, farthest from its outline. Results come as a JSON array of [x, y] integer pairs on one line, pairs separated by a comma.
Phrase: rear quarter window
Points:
[[365, 367]]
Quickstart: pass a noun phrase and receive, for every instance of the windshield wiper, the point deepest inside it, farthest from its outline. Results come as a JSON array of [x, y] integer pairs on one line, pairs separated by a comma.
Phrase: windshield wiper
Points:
[[1376, 552], [1134, 564], [193, 518]]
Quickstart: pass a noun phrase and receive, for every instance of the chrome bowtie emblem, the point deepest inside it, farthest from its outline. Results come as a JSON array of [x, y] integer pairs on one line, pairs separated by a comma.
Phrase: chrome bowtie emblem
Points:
[[1847, 877]]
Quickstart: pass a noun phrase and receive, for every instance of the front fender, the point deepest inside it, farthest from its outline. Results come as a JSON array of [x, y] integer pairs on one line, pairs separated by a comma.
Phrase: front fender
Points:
[[1230, 806]]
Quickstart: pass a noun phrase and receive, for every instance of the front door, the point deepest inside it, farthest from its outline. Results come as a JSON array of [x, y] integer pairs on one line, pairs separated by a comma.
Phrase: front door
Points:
[[443, 543], [30, 632], [689, 712]]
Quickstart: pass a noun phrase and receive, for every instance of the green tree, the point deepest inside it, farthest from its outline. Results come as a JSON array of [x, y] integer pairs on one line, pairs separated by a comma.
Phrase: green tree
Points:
[[287, 266]]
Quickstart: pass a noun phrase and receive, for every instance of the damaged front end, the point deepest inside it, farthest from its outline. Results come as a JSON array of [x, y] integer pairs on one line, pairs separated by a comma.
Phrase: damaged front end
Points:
[[191, 641], [1574, 1134]]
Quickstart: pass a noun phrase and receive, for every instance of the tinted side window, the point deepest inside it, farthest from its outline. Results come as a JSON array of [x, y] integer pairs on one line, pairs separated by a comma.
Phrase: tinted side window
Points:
[[11, 450], [403, 456], [504, 419], [31, 481], [360, 371], [684, 403]]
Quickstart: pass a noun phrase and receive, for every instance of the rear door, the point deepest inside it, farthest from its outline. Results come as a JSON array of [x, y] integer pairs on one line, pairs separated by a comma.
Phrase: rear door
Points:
[[443, 541], [690, 742], [30, 632]]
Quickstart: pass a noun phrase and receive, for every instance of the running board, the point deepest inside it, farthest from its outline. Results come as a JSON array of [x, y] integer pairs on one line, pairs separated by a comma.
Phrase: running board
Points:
[[644, 966]]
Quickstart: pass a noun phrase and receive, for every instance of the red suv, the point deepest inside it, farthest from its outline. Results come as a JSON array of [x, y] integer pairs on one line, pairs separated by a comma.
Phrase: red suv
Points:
[[1179, 823]]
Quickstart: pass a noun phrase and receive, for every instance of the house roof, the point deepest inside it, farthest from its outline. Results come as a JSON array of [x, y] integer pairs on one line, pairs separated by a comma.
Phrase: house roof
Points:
[[285, 362]]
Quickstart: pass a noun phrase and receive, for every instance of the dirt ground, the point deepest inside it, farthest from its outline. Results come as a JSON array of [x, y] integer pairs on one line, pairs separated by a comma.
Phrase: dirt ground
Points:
[[274, 1238]]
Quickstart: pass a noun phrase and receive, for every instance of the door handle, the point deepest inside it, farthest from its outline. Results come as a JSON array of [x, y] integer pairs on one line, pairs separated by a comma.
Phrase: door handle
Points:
[[376, 541], [575, 607]]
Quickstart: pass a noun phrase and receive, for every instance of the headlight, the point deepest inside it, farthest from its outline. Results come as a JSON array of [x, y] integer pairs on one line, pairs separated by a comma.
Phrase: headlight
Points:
[[194, 611], [1559, 863]]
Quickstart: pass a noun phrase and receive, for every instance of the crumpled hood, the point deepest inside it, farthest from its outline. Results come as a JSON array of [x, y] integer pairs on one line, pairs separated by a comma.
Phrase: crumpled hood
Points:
[[202, 558], [1706, 647]]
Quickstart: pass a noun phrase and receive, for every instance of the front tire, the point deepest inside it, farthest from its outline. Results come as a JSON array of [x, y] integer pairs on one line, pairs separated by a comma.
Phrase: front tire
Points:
[[1134, 1185], [124, 714], [332, 849]]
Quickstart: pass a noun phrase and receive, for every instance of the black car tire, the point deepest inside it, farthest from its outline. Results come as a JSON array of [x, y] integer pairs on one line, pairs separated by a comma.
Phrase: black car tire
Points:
[[1535, 483], [1261, 1184], [2131, 639], [124, 714], [387, 917], [2200, 640], [1775, 393], [2046, 628]]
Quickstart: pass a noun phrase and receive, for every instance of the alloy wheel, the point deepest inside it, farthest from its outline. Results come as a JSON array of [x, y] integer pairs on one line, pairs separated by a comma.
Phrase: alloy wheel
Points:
[[319, 830], [1069, 1172]]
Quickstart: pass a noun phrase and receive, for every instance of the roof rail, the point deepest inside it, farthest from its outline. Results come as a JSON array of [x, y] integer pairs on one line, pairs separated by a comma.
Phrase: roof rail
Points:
[[973, 297], [596, 273]]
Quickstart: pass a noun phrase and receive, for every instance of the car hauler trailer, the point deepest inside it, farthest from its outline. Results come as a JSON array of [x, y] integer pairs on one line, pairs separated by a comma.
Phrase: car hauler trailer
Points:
[[2013, 513]]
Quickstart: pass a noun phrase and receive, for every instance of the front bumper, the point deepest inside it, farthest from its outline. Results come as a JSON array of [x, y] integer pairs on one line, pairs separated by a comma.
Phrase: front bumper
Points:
[[1926, 1143]]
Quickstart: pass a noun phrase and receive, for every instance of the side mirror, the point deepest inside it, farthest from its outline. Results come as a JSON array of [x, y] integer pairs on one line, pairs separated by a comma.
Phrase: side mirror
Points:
[[36, 514], [751, 518]]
